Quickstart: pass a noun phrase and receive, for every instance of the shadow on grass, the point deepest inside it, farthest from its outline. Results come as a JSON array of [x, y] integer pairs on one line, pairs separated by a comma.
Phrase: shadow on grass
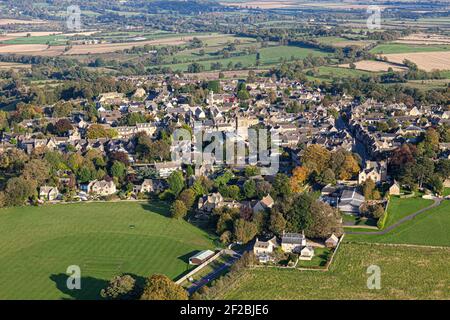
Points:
[[158, 207], [90, 287]]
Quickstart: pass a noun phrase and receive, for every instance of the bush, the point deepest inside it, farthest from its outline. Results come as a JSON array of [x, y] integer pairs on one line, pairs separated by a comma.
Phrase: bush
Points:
[[120, 288], [178, 210]]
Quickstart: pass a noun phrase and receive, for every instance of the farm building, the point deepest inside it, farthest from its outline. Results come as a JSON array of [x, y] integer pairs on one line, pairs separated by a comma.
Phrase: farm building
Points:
[[201, 257]]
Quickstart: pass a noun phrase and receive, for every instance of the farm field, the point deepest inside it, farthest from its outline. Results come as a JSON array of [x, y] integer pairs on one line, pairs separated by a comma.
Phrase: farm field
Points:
[[13, 66], [406, 48], [426, 39], [406, 273], [375, 66], [261, 4], [429, 84], [268, 57], [39, 45], [340, 42], [429, 228], [436, 60], [4, 22], [112, 47], [104, 239], [32, 49], [325, 73]]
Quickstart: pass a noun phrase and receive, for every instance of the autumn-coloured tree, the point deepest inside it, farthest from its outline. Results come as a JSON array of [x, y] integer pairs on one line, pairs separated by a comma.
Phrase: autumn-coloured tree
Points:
[[316, 158], [368, 188], [244, 231], [120, 288], [160, 287], [298, 179], [349, 168], [37, 170], [97, 131]]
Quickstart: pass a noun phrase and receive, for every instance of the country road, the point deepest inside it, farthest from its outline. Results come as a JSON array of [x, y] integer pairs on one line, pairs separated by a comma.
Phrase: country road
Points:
[[437, 202]]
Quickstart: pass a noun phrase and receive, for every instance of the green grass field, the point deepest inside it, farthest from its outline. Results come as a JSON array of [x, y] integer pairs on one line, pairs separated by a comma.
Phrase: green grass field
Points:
[[321, 256], [38, 244], [406, 273], [341, 42], [269, 56], [406, 48], [400, 208], [429, 228], [51, 39], [328, 73]]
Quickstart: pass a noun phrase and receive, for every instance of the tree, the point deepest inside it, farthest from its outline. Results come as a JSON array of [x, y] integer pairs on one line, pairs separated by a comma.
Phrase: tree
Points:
[[178, 210], [377, 211], [251, 171], [349, 168], [325, 221], [327, 177], [226, 237], [225, 223], [118, 170], [223, 179], [263, 188], [230, 192], [299, 176], [277, 222], [96, 131], [62, 127], [282, 185], [85, 175], [244, 231], [431, 141], [120, 156], [316, 158], [187, 197], [422, 169], [120, 288], [250, 189], [401, 159], [368, 188], [160, 287], [37, 170], [295, 209], [442, 168], [176, 182], [18, 190], [435, 183]]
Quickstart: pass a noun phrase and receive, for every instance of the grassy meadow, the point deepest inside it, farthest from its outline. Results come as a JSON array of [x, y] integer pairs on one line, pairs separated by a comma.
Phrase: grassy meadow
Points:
[[429, 228], [388, 48], [406, 273], [104, 239]]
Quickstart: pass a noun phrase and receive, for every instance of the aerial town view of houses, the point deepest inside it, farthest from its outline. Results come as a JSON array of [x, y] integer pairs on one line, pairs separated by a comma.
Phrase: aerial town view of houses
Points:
[[264, 150]]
